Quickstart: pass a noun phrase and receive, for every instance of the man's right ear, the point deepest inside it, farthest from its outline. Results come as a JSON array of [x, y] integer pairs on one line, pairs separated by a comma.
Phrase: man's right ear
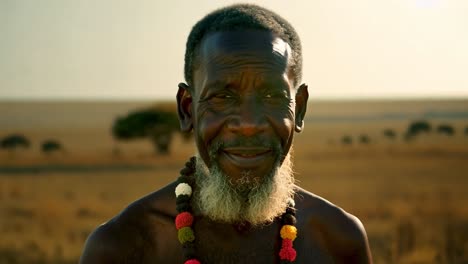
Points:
[[184, 107]]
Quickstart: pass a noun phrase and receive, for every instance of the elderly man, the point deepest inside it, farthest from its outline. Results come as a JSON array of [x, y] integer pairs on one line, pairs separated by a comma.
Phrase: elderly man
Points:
[[236, 201]]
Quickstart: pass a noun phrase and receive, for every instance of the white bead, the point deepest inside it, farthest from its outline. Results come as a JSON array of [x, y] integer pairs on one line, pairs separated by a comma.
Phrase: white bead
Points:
[[183, 189], [291, 202]]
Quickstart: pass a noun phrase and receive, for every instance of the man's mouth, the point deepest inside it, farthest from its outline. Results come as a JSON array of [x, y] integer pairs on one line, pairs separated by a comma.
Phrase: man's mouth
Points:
[[247, 156]]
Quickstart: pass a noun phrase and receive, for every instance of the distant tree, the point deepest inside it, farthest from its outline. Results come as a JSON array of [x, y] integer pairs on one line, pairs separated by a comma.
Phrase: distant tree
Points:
[[389, 133], [50, 146], [364, 139], [466, 131], [154, 124], [416, 128], [347, 140], [14, 141], [445, 129]]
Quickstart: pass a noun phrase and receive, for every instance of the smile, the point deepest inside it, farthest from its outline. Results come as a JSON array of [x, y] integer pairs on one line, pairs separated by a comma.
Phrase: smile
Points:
[[247, 157]]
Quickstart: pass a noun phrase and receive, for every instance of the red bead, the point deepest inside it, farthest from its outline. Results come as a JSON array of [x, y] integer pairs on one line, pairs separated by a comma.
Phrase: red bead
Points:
[[192, 261], [183, 219], [288, 253], [287, 243]]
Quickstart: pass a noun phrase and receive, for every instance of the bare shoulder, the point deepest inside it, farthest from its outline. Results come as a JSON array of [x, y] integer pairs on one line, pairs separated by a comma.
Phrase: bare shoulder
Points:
[[338, 231], [123, 238]]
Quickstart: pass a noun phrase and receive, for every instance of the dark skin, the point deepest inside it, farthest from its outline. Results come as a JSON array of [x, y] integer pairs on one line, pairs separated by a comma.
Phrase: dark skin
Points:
[[243, 87]]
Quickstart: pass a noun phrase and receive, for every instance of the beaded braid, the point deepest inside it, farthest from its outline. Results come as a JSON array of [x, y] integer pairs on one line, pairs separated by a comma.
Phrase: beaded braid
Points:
[[288, 233], [184, 220]]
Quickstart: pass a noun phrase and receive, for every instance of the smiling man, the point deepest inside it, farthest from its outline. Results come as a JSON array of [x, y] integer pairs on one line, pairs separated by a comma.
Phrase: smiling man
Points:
[[236, 201]]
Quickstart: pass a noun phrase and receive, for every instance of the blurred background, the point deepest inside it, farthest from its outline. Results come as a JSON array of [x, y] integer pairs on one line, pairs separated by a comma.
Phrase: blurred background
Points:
[[88, 123]]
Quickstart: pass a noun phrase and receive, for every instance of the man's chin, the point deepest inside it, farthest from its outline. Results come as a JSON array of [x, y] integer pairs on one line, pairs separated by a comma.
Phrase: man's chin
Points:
[[246, 199]]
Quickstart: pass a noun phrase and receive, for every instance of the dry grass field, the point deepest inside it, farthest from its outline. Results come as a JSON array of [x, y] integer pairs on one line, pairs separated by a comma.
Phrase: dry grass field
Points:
[[411, 196]]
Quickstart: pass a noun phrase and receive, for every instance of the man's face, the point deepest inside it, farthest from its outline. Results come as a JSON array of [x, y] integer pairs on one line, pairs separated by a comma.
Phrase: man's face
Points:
[[243, 107]]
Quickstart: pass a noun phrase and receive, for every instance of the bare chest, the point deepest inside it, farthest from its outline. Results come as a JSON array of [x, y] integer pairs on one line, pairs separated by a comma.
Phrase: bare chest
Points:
[[237, 244], [226, 245]]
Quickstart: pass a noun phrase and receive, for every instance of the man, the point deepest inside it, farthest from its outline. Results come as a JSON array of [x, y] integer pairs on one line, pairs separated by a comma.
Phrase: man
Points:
[[236, 201]]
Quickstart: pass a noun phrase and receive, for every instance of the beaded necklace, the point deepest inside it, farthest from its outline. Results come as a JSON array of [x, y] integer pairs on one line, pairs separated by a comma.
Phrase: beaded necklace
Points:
[[184, 220]]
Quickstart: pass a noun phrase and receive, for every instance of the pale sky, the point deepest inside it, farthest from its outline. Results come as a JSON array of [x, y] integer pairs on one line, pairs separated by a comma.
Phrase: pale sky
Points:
[[115, 49]]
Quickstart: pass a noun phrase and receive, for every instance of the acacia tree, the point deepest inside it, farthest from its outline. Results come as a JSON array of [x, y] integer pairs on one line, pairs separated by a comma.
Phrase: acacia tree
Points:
[[51, 146], [446, 129], [13, 142], [364, 139], [156, 125], [416, 128], [346, 140], [389, 133]]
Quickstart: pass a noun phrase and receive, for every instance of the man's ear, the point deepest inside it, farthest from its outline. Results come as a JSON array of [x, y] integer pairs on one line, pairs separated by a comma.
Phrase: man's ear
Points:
[[184, 107], [302, 96]]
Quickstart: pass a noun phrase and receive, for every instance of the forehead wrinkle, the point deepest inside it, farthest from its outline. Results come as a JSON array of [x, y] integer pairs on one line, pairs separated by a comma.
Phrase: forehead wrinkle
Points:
[[250, 80], [233, 66], [230, 48], [246, 40], [246, 59], [231, 57]]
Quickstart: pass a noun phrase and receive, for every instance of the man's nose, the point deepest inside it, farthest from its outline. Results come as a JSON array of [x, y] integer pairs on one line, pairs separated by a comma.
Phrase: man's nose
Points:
[[249, 119]]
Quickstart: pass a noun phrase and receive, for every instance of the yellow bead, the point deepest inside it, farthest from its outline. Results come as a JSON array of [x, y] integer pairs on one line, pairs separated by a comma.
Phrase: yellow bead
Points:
[[288, 232]]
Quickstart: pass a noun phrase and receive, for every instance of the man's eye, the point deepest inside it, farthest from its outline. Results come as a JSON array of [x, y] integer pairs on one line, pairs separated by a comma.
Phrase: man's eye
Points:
[[222, 96], [273, 95]]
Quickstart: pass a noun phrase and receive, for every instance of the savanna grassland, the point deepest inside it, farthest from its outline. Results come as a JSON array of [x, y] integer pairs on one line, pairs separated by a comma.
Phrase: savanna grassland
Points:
[[410, 194]]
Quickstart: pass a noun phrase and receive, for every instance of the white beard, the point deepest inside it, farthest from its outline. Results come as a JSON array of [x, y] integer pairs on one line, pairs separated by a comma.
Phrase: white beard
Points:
[[246, 200]]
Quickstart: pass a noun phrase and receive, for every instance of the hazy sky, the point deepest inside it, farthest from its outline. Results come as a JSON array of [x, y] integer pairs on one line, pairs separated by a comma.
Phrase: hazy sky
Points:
[[108, 49]]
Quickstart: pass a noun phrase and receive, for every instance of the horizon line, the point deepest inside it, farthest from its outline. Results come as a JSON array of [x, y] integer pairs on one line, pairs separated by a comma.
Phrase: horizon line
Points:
[[168, 99]]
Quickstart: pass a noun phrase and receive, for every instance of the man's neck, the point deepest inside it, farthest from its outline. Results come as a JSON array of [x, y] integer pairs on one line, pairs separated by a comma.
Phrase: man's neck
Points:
[[242, 227]]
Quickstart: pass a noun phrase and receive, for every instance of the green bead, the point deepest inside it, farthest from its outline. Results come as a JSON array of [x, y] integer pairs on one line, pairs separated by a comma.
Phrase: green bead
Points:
[[185, 235]]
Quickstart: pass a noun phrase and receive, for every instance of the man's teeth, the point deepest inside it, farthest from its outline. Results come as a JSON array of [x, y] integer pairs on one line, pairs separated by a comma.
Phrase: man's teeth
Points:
[[246, 155]]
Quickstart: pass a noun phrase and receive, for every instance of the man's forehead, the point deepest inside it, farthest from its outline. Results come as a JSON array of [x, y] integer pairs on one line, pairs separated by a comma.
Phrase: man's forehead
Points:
[[244, 41]]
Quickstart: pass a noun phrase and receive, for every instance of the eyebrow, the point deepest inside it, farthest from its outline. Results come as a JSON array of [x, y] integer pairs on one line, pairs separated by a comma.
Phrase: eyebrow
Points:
[[238, 58], [216, 84]]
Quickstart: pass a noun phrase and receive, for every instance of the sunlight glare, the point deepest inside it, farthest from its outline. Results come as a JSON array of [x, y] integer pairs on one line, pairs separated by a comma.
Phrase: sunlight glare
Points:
[[427, 3]]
